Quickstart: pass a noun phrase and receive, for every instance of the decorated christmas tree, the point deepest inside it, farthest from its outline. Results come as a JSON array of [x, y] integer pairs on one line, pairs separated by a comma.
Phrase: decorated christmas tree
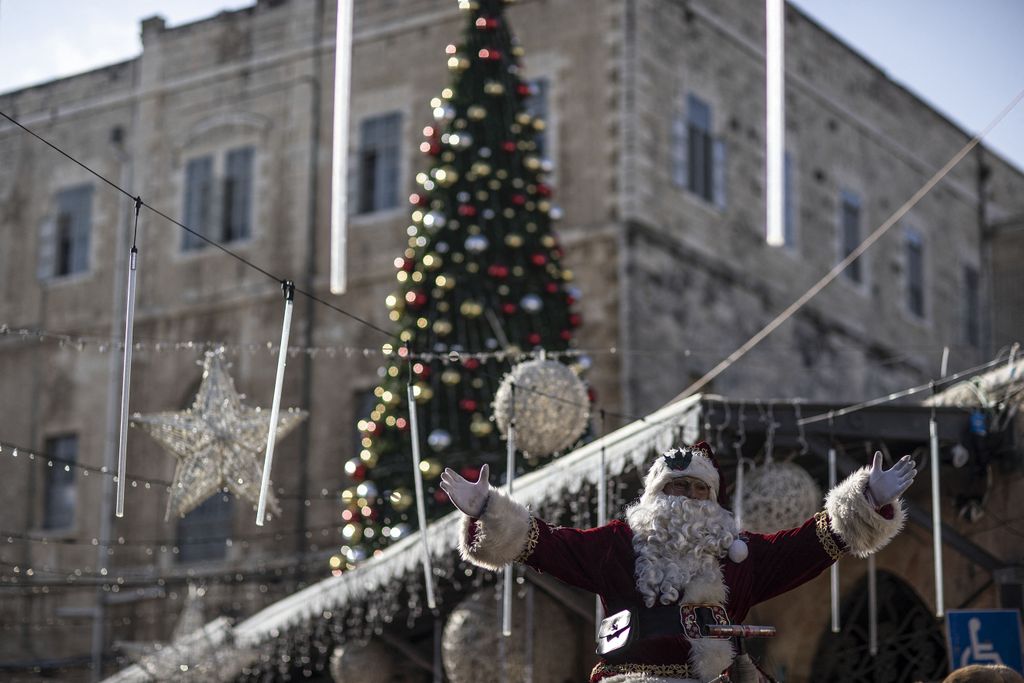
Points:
[[480, 287]]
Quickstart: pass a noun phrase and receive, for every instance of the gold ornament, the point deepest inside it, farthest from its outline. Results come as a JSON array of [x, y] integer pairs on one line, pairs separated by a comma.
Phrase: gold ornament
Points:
[[476, 112], [442, 328], [451, 376], [401, 499], [471, 309], [514, 240], [479, 426]]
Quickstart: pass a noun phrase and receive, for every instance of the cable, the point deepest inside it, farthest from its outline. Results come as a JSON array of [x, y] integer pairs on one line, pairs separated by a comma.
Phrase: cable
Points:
[[850, 258], [213, 243], [899, 394]]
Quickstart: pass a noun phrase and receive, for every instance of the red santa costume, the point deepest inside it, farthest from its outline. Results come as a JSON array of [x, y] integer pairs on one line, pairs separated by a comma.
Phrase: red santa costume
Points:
[[675, 557]]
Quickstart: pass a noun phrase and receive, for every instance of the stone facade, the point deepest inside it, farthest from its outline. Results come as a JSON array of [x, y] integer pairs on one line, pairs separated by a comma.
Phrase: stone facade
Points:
[[672, 283]]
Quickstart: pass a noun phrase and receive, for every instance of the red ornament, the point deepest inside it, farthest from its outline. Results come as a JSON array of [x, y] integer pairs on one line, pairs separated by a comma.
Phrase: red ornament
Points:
[[486, 23], [470, 473], [523, 89], [551, 287], [543, 190], [489, 53], [471, 363], [518, 199], [570, 299], [497, 270], [509, 146], [417, 199], [467, 210], [538, 259], [469, 405], [370, 513], [359, 473], [565, 334], [591, 395], [440, 496], [575, 319], [508, 308], [422, 370], [434, 149], [408, 265], [533, 338], [419, 300]]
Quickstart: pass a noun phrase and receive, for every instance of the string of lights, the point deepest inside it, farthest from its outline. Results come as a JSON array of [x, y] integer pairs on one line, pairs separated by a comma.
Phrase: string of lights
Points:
[[66, 340], [15, 451]]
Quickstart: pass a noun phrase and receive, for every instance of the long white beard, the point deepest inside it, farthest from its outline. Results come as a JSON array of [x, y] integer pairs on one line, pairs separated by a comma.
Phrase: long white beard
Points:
[[678, 542]]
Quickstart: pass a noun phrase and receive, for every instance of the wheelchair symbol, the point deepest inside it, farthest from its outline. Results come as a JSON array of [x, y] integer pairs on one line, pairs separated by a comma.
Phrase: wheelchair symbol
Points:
[[979, 652]]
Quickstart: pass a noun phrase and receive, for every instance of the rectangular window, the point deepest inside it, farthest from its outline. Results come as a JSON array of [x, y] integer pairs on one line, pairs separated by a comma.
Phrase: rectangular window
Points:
[[700, 166], [219, 197], [972, 306], [198, 202], [64, 240], [203, 533], [237, 196], [378, 162], [61, 495], [536, 105], [915, 272], [849, 217]]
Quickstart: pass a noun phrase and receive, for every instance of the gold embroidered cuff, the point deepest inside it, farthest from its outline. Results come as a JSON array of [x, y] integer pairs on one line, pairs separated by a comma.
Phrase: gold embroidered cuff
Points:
[[605, 670], [825, 535], [531, 541]]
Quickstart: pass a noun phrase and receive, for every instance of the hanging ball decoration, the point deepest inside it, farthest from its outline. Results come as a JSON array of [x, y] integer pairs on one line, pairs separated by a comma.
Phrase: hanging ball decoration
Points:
[[439, 439], [471, 309], [476, 244], [551, 406], [476, 112], [369, 663], [514, 240], [778, 495], [356, 469], [451, 376], [471, 629], [531, 303]]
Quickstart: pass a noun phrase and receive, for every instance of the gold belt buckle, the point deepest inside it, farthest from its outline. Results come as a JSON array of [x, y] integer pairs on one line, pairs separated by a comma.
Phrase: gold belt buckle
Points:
[[695, 618]]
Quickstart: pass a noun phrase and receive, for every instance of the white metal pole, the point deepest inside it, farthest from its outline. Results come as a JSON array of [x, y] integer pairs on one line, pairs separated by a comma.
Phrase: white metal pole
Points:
[[775, 124], [421, 508], [339, 160], [510, 468], [126, 380], [933, 438], [834, 569], [872, 606], [282, 356]]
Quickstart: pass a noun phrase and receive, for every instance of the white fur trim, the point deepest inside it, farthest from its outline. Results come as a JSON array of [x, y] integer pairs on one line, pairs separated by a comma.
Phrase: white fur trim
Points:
[[700, 467], [856, 521], [501, 533], [711, 656]]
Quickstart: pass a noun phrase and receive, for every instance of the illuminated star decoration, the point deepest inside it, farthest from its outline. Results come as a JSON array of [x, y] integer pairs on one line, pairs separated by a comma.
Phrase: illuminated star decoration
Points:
[[219, 442]]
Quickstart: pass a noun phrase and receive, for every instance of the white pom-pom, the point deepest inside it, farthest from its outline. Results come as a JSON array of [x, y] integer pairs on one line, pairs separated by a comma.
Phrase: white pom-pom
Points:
[[738, 550]]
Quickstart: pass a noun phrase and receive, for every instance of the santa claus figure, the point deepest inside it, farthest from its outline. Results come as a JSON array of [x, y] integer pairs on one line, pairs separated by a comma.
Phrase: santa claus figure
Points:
[[678, 563]]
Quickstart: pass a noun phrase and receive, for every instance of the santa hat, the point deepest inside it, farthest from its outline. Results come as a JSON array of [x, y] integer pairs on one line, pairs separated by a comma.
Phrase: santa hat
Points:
[[697, 461]]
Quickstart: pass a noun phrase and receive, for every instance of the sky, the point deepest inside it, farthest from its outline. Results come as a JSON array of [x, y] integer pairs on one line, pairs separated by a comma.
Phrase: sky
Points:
[[963, 57]]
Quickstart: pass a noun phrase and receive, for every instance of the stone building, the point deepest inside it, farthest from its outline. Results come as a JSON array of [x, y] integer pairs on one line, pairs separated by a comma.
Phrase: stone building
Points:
[[655, 127]]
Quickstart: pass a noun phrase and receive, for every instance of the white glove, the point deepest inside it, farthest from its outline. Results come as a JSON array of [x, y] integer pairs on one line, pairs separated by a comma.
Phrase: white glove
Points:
[[469, 497], [885, 486]]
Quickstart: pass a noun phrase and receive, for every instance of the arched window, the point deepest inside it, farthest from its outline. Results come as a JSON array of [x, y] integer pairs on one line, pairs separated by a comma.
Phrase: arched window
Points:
[[910, 642]]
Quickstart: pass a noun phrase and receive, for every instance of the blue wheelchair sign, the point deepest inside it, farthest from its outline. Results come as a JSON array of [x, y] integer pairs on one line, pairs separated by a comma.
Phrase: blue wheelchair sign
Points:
[[987, 636]]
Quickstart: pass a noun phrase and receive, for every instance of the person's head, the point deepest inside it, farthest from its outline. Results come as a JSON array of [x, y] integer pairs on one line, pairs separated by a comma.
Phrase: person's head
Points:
[[689, 471], [989, 673]]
